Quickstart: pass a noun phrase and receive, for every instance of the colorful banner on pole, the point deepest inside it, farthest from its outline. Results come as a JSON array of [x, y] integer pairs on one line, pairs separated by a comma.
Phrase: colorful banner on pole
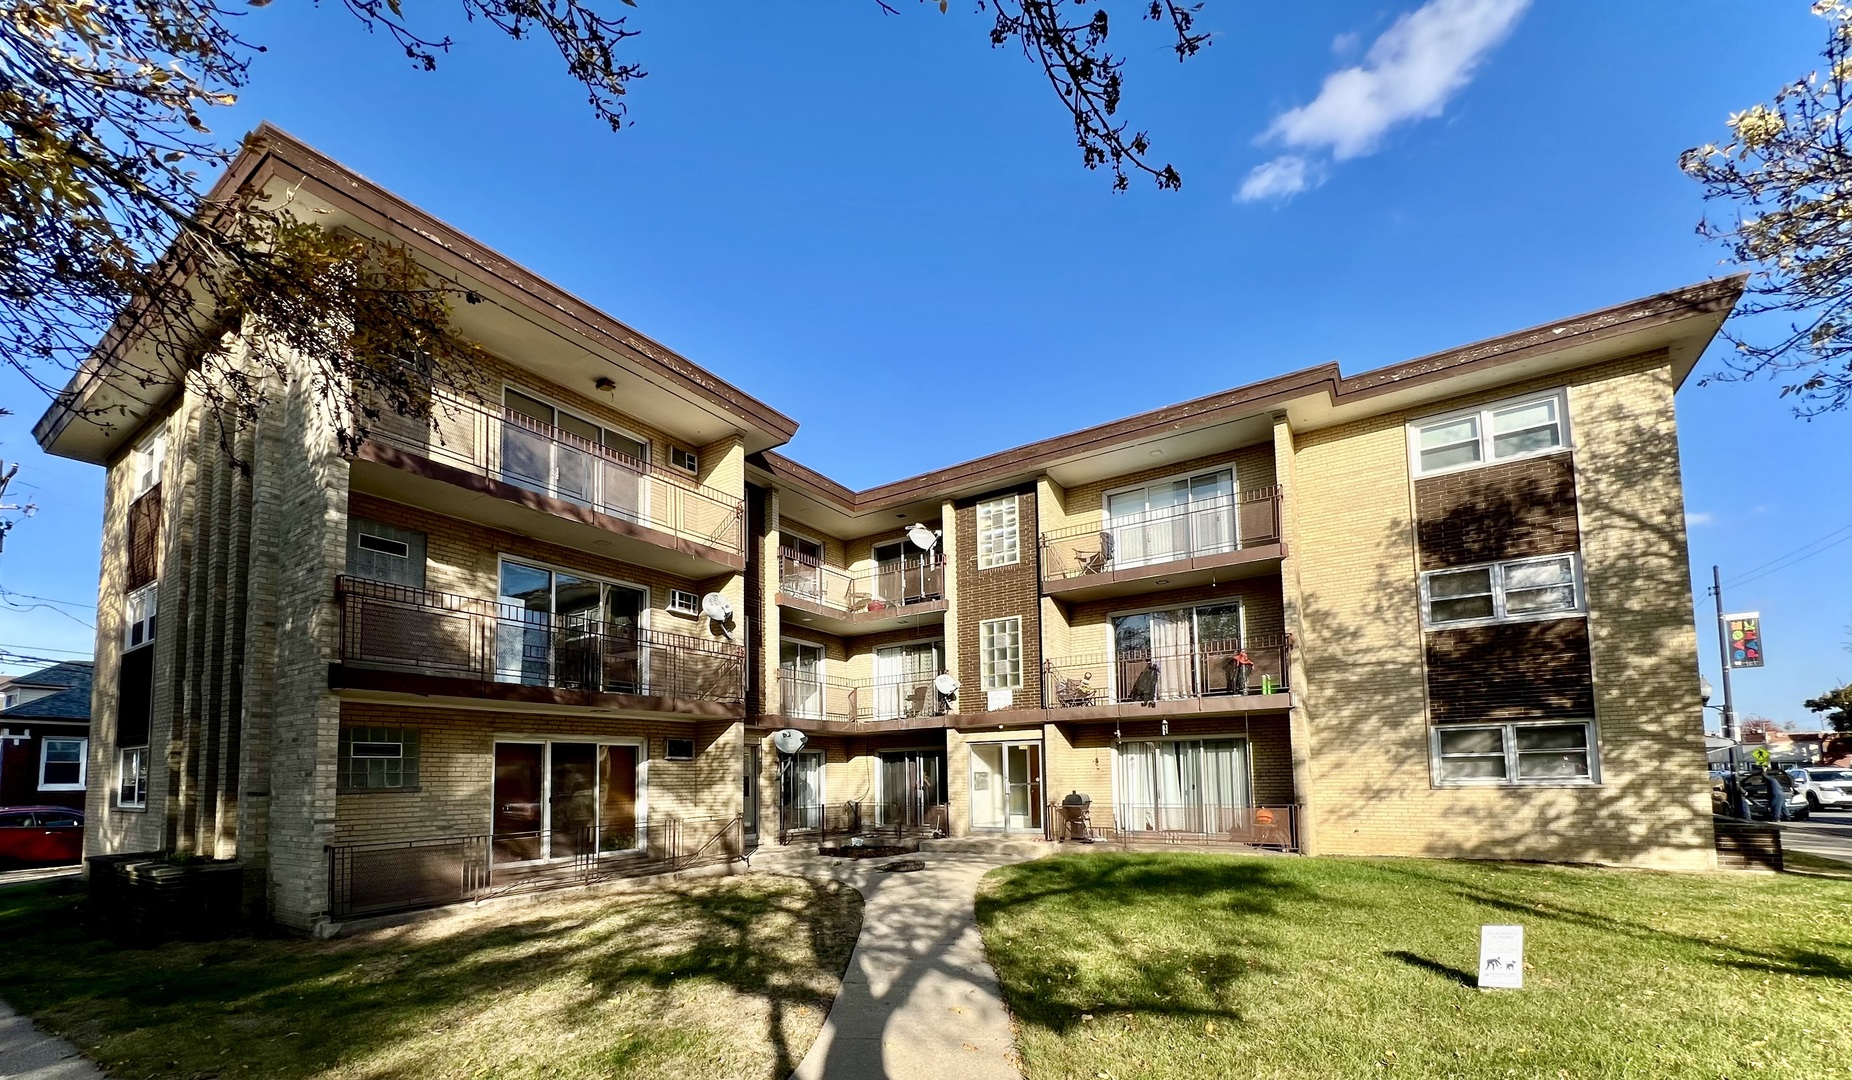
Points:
[[1745, 633]]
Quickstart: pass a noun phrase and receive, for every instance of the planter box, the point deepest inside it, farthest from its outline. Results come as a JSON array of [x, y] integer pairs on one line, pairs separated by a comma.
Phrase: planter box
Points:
[[143, 898]]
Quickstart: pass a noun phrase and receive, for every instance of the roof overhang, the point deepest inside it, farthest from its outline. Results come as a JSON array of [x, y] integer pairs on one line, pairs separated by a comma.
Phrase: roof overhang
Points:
[[522, 318]]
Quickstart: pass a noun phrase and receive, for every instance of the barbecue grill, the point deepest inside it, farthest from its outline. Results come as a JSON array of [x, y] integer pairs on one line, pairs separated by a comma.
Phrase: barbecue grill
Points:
[[1077, 817]]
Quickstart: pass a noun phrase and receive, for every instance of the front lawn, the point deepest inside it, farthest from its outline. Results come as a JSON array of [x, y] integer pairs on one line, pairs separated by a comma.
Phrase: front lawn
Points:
[[720, 978], [1155, 965]]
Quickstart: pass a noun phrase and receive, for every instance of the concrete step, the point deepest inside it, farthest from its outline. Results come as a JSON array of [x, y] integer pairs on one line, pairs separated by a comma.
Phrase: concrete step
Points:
[[1013, 847]]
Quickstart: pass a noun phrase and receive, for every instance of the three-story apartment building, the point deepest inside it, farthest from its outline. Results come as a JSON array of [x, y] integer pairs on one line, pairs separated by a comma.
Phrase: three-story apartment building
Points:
[[1439, 608]]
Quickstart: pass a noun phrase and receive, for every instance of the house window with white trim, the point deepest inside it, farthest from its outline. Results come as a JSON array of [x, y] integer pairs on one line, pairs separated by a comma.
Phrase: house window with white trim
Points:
[[146, 462], [1502, 431], [1536, 752], [1517, 590], [132, 778], [62, 764], [138, 620], [999, 643], [997, 533]]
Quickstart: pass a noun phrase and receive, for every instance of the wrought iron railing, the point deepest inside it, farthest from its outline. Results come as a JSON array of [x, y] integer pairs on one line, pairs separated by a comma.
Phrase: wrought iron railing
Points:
[[1146, 676], [505, 445], [838, 824], [916, 579], [1135, 823], [1163, 536], [381, 877], [398, 628], [895, 697]]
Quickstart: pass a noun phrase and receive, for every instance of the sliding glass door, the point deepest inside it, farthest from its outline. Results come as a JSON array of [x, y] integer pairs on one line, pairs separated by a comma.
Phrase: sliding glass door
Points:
[[552, 451], [559, 800], [1172, 519], [1182, 785], [1177, 653], [567, 630], [800, 679], [903, 680]]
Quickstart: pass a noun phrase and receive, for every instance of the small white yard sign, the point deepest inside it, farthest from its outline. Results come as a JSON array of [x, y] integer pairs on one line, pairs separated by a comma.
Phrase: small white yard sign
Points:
[[1501, 958]]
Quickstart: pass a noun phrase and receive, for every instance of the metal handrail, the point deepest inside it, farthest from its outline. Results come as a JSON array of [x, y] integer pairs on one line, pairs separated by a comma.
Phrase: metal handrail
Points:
[[891, 697], [399, 628], [1147, 676], [476, 436], [918, 579], [1162, 536]]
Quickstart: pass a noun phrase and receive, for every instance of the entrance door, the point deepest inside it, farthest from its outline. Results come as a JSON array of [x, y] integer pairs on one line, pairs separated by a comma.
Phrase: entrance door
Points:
[[1006, 786], [802, 572], [626, 667], [617, 799], [749, 822], [801, 791], [572, 800], [912, 784], [800, 679], [517, 817]]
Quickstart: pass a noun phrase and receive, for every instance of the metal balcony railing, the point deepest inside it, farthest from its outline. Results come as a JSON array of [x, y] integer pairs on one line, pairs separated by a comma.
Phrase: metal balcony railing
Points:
[[397, 628], [898, 697], [917, 579], [1161, 536], [505, 445], [1146, 676], [1128, 823]]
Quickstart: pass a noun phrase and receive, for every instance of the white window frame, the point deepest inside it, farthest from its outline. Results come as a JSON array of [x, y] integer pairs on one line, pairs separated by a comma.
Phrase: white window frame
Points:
[[83, 761], [993, 679], [1483, 436], [141, 777], [991, 549], [1499, 614], [147, 461], [1509, 740], [140, 609]]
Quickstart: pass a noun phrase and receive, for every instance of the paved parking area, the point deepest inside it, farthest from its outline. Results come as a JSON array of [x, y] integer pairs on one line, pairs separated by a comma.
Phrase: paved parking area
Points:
[[1827, 834]]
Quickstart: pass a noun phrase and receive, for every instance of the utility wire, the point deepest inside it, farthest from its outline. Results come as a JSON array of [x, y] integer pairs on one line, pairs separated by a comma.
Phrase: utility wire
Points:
[[41, 648], [1798, 555], [7, 598]]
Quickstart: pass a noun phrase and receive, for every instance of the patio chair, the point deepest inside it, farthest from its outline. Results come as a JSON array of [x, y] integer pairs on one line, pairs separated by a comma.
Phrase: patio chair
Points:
[[1075, 693], [917, 701], [1145, 689], [1096, 561]]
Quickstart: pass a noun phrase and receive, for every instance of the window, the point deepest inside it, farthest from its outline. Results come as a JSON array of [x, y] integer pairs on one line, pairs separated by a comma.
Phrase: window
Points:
[[1523, 753], [1498, 432], [1501, 592], [556, 453], [1170, 519], [138, 621], [999, 643], [1182, 785], [1181, 653], [559, 628], [132, 777], [146, 462], [997, 543], [680, 750], [380, 552], [378, 758], [683, 602], [61, 764], [686, 460]]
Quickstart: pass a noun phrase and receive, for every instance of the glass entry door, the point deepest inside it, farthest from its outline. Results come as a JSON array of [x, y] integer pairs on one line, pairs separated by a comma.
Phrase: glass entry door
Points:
[[912, 784], [1006, 786], [800, 679], [561, 800]]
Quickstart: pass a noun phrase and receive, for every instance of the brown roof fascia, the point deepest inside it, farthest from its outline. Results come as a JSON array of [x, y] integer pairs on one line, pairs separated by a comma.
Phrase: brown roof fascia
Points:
[[272, 153], [1709, 297]]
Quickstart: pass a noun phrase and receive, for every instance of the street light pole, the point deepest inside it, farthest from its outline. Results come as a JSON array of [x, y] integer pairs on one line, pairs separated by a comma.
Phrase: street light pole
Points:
[[1723, 655]]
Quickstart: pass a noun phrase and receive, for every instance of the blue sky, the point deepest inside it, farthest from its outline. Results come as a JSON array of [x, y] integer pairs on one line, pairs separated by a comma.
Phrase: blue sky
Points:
[[859, 218]]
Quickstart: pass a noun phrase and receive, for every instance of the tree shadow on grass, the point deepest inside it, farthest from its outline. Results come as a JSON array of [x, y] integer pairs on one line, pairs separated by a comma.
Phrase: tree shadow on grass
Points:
[[1445, 971], [287, 1007]]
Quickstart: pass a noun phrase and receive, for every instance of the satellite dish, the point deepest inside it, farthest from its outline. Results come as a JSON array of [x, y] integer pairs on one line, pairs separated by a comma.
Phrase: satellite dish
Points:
[[789, 740], [946, 685], [923, 538], [717, 607]]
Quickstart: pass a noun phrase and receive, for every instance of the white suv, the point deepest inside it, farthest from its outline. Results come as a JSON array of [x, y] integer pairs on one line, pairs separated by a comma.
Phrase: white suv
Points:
[[1825, 788]]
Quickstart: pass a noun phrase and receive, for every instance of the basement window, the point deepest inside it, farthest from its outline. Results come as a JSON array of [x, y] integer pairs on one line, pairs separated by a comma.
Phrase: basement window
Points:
[[378, 759]]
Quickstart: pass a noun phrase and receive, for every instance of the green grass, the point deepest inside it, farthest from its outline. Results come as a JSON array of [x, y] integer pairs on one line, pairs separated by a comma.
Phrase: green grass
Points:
[[1160, 965], [722, 978]]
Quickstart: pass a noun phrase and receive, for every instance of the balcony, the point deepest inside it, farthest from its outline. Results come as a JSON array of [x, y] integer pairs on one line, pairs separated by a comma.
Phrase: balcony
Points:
[[401, 640], [1211, 677], [1169, 548], [821, 703], [500, 468], [910, 592]]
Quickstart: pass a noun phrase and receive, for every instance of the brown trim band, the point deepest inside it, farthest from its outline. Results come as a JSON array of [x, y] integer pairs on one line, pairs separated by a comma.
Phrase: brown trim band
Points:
[[344, 677]]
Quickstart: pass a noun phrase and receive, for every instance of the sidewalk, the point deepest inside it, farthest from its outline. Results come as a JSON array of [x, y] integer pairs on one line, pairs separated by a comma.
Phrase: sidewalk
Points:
[[26, 1053], [918, 999]]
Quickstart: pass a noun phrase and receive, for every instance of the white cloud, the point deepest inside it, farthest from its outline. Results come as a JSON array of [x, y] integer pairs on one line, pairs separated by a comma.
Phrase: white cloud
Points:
[[1345, 44], [1283, 176], [1695, 518], [1410, 73]]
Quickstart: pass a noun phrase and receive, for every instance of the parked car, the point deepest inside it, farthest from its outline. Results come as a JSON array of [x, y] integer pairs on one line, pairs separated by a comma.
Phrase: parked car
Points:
[[40, 835], [1824, 788], [1755, 789]]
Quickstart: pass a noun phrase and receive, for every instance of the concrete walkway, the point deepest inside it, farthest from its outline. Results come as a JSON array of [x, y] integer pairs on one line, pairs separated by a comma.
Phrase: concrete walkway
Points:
[[26, 1053], [918, 999]]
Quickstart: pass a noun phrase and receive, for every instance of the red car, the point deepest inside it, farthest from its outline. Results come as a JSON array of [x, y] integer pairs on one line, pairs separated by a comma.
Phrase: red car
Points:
[[39, 835]]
